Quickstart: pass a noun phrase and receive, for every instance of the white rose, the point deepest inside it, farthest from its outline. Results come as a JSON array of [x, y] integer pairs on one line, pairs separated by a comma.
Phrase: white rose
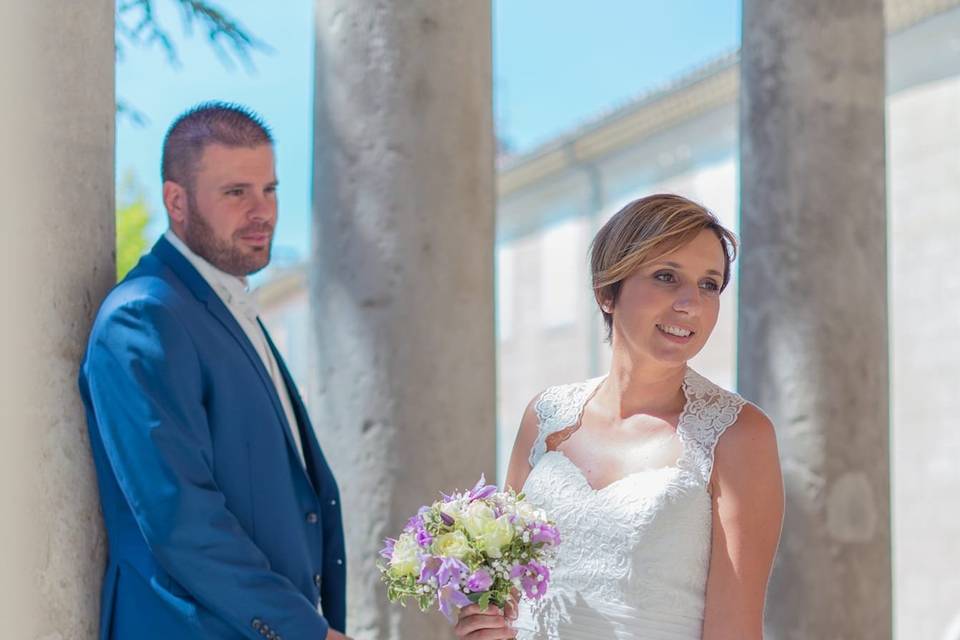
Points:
[[476, 518], [452, 509], [405, 560]]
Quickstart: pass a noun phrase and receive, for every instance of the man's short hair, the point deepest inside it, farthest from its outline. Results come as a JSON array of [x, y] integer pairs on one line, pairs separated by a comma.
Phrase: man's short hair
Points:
[[208, 123]]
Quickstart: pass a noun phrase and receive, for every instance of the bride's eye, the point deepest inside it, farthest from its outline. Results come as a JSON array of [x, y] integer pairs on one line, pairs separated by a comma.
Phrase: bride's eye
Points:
[[664, 276], [710, 285]]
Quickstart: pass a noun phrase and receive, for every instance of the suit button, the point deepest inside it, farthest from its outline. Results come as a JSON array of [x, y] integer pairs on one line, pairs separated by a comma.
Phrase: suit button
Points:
[[333, 503], [257, 624], [316, 579], [339, 560], [312, 518]]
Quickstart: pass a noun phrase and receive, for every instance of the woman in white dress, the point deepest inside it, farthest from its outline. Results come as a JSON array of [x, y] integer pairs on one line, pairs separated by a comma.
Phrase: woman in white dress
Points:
[[666, 489]]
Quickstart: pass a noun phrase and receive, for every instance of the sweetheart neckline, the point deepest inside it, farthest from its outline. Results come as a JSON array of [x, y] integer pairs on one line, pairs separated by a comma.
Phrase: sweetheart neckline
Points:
[[619, 480]]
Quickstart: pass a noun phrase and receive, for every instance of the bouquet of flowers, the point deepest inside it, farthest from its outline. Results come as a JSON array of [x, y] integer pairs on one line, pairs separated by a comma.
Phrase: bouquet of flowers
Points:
[[472, 547]]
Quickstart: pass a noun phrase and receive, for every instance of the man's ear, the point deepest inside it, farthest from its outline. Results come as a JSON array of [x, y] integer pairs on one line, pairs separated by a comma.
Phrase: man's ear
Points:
[[175, 201]]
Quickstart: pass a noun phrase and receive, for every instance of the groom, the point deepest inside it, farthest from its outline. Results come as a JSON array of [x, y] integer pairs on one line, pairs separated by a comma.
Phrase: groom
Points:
[[222, 515]]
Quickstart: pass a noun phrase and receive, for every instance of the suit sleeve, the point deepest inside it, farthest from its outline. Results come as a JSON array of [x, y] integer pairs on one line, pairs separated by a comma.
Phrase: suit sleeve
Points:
[[146, 388]]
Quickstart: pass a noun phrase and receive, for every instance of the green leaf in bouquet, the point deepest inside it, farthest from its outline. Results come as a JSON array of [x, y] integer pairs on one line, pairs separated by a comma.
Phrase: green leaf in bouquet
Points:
[[484, 599]]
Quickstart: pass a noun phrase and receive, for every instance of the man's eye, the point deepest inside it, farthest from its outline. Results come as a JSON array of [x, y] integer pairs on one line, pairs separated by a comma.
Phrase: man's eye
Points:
[[235, 192]]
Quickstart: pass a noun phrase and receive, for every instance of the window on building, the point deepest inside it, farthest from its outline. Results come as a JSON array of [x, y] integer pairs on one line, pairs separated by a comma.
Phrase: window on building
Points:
[[505, 286], [562, 265]]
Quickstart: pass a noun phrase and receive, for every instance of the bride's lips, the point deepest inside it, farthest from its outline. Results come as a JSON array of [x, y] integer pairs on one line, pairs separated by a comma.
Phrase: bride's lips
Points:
[[677, 339]]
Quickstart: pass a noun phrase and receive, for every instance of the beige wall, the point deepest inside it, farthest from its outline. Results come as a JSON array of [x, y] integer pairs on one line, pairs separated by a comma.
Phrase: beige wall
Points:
[[924, 204], [56, 176]]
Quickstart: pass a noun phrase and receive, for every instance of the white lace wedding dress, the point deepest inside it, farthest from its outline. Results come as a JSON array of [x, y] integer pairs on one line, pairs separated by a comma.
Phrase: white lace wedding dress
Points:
[[634, 555]]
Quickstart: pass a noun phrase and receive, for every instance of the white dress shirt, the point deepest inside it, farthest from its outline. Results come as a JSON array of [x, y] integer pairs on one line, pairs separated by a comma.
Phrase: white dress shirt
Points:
[[235, 293]]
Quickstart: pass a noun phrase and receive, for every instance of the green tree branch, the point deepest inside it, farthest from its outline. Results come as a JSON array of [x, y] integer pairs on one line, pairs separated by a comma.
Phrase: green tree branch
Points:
[[137, 25]]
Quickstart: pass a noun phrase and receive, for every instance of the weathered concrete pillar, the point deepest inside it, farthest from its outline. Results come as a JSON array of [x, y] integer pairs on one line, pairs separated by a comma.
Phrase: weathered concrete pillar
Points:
[[402, 274], [56, 176], [813, 309]]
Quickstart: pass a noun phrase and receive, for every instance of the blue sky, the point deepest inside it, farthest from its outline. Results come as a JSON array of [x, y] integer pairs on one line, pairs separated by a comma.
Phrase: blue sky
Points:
[[557, 64]]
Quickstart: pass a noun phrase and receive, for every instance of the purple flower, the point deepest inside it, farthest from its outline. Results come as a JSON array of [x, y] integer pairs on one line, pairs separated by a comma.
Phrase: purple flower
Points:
[[534, 578], [424, 539], [449, 597], [479, 581], [387, 552], [447, 520], [429, 568], [544, 533], [412, 525], [416, 522], [482, 490], [451, 571]]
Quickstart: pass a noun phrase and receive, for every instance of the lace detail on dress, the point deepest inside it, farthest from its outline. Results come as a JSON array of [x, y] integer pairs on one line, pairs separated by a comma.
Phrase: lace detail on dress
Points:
[[710, 410], [557, 408], [635, 554]]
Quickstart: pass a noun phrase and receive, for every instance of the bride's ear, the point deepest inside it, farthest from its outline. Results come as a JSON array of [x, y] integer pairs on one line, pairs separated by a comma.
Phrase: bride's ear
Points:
[[606, 304]]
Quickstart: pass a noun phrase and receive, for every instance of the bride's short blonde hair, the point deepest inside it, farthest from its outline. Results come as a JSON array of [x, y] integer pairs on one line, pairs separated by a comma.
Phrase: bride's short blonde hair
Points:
[[643, 231]]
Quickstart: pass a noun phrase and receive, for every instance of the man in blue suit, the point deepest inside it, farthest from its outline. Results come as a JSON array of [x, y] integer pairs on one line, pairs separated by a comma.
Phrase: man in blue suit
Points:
[[222, 515]]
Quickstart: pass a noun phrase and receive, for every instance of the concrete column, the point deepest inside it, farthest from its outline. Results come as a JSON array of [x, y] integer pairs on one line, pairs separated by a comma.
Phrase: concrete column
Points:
[[402, 272], [56, 176], [813, 303]]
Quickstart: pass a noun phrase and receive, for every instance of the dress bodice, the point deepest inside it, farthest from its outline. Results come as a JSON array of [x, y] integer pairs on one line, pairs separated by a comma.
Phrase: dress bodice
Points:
[[634, 555]]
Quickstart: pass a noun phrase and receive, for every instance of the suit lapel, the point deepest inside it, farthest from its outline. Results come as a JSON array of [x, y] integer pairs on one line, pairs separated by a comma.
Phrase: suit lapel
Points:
[[167, 253], [307, 438]]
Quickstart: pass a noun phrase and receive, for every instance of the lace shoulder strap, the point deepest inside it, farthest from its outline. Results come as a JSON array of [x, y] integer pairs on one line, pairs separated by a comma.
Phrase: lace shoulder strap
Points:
[[710, 410], [557, 408]]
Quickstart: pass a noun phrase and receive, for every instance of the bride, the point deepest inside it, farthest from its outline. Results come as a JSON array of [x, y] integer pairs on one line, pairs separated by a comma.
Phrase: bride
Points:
[[666, 488]]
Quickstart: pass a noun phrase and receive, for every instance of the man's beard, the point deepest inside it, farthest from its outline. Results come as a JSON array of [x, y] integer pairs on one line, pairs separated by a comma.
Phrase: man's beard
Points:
[[227, 256]]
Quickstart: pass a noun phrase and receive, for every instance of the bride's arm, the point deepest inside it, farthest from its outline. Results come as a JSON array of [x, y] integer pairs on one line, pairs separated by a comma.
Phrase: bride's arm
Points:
[[519, 466], [747, 493]]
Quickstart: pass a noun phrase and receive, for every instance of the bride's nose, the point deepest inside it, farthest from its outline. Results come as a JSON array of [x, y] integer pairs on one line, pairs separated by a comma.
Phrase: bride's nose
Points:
[[687, 300]]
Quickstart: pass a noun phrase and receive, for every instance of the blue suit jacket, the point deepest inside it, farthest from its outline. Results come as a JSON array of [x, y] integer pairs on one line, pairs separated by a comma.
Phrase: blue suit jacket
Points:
[[215, 528]]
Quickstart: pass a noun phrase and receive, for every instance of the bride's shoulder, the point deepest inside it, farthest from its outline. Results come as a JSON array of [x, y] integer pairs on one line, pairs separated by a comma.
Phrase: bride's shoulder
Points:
[[752, 423], [559, 405], [741, 435], [553, 408], [551, 405], [749, 446], [700, 386]]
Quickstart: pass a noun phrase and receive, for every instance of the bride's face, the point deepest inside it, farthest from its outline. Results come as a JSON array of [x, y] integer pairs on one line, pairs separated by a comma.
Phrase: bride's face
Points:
[[667, 309]]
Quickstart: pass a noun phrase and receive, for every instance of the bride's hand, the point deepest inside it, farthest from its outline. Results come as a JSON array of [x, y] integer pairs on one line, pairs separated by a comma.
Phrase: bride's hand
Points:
[[491, 624]]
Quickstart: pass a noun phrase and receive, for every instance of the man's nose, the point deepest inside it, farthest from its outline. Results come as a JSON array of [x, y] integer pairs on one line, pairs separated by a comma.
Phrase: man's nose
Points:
[[264, 209]]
